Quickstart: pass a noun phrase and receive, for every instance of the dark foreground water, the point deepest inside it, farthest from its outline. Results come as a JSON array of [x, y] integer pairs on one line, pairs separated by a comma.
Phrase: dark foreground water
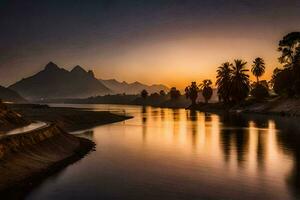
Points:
[[179, 154]]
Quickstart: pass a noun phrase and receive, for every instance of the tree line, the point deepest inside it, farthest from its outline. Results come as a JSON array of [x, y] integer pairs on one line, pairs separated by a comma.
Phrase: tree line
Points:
[[233, 81]]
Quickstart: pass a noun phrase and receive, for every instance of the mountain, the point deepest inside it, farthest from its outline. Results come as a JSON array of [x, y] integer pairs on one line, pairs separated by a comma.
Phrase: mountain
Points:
[[132, 88], [7, 94], [56, 82]]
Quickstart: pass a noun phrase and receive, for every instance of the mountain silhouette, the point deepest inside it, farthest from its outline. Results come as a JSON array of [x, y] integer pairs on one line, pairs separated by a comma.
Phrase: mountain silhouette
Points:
[[55, 82], [7, 94], [132, 88]]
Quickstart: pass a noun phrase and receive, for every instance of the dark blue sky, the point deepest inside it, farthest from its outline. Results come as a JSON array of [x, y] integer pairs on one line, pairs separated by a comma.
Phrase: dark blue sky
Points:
[[107, 35]]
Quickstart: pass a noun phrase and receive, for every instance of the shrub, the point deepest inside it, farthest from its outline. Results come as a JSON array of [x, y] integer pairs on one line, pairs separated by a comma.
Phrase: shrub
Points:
[[260, 92]]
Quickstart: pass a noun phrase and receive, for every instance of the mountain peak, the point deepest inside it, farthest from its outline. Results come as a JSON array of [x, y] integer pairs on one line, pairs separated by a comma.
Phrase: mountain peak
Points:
[[136, 83], [55, 82], [51, 66], [78, 69]]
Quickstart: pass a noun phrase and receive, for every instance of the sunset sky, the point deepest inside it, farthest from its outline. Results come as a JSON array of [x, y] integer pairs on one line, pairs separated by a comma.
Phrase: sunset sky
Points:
[[169, 41]]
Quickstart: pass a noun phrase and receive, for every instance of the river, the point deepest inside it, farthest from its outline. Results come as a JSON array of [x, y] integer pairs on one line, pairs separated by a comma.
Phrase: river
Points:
[[179, 154]]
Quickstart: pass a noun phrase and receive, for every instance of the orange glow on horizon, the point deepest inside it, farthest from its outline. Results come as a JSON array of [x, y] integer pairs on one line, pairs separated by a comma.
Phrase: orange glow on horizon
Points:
[[179, 62]]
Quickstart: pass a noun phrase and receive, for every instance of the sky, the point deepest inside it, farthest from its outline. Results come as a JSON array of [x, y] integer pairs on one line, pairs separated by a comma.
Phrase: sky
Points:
[[172, 42]]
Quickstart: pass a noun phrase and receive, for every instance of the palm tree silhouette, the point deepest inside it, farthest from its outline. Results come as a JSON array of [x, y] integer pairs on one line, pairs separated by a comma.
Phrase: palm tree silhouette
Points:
[[191, 92], [258, 68], [240, 84], [223, 82], [206, 89], [174, 93]]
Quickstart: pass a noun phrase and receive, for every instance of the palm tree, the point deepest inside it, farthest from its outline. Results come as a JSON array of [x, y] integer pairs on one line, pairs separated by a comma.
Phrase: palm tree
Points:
[[223, 82], [258, 68], [206, 89], [174, 93], [191, 92], [240, 84]]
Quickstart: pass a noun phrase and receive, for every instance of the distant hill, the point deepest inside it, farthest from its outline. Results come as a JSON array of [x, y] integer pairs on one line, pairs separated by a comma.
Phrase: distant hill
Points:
[[56, 82], [132, 88], [7, 94]]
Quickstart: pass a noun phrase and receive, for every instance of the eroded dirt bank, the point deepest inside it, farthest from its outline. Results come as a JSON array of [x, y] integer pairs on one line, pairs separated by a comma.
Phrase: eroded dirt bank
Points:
[[27, 158], [70, 119], [10, 120]]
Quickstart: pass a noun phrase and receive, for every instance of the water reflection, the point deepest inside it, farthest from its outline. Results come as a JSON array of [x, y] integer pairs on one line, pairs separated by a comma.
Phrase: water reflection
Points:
[[248, 142], [176, 124], [144, 123], [182, 154], [176, 115], [291, 141]]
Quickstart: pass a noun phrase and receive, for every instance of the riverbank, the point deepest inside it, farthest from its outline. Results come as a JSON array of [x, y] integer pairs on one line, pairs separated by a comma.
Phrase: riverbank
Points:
[[274, 106], [28, 158], [154, 100], [70, 119], [10, 120]]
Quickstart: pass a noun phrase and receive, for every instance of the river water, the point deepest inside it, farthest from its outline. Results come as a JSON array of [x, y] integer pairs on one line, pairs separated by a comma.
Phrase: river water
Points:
[[179, 154]]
